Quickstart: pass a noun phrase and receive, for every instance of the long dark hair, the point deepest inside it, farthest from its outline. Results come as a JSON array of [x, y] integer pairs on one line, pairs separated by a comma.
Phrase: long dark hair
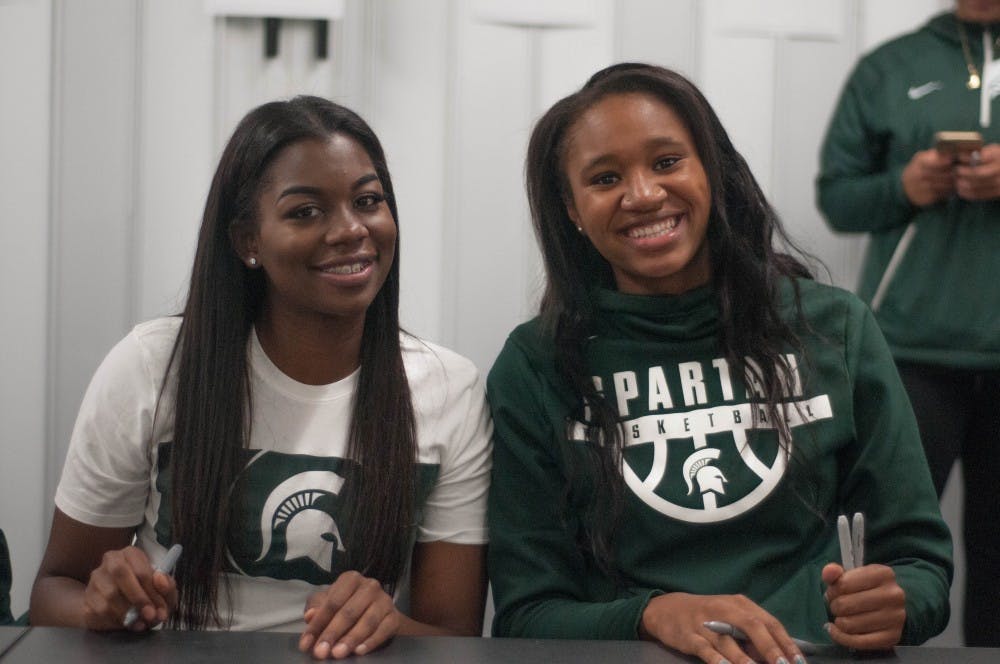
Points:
[[214, 405], [746, 269]]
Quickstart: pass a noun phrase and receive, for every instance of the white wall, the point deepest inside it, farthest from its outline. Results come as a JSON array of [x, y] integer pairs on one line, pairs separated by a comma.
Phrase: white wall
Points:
[[25, 93], [115, 111]]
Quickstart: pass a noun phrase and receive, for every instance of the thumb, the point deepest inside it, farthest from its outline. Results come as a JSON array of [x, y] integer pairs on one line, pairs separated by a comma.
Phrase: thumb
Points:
[[831, 573], [314, 601]]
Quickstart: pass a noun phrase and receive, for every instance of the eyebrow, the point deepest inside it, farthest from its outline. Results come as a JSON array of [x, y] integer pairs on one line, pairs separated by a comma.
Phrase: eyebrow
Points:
[[657, 142], [316, 191]]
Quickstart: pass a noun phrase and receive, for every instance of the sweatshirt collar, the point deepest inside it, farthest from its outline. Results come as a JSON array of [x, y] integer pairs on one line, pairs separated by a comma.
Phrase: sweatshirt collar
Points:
[[691, 315]]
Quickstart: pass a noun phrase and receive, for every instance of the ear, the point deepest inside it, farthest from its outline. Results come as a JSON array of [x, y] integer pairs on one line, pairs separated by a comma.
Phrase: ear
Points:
[[244, 238]]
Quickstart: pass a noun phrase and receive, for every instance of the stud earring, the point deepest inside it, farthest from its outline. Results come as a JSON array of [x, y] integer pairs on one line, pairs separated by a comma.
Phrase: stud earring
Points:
[[580, 229], [253, 262]]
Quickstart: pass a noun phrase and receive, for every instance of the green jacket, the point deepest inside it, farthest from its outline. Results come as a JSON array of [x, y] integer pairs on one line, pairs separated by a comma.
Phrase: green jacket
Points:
[[5, 581], [942, 306], [704, 512]]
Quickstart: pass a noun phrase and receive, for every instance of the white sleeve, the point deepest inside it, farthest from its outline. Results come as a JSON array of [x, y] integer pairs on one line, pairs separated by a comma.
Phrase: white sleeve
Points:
[[106, 478], [455, 510]]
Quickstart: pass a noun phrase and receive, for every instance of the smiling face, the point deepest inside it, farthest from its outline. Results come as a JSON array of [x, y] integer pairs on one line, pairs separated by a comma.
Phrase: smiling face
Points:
[[324, 235], [639, 192]]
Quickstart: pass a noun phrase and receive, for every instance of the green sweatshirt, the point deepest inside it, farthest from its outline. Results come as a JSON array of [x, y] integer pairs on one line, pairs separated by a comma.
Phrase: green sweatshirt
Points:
[[941, 306], [709, 509]]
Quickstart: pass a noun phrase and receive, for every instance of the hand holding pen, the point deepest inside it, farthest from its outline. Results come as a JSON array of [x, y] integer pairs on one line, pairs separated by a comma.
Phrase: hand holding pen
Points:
[[867, 604], [693, 624], [165, 567], [126, 579]]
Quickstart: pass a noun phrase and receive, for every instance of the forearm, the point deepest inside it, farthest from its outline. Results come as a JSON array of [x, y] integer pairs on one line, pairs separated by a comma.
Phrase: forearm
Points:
[[864, 203], [573, 619], [410, 627], [927, 607], [57, 601]]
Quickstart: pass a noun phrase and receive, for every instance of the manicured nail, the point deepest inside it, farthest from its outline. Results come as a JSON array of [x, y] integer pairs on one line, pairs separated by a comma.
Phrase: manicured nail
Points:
[[781, 660], [827, 626], [361, 649], [724, 661], [799, 659], [341, 650]]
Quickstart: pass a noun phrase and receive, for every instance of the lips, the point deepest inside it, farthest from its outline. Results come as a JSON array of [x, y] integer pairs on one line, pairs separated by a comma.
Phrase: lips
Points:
[[350, 268], [661, 226], [346, 267]]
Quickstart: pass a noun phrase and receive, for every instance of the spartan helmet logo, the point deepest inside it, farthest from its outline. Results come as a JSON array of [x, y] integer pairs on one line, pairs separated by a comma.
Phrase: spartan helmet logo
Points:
[[698, 469], [309, 531]]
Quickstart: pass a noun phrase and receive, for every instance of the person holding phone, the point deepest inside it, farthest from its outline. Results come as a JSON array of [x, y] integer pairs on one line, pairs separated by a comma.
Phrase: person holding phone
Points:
[[678, 430], [324, 471], [932, 212]]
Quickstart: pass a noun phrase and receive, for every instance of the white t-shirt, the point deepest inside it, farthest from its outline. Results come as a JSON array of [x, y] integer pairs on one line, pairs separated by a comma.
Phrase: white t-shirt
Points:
[[286, 541]]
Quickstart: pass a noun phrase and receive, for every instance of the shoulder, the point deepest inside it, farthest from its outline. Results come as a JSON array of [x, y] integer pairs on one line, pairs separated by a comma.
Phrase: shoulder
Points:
[[426, 361], [158, 335], [525, 372], [527, 344], [939, 29], [443, 384], [145, 349], [909, 51], [827, 310]]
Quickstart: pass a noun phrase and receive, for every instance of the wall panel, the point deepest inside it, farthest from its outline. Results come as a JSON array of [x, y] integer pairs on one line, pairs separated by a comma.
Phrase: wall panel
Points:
[[25, 37]]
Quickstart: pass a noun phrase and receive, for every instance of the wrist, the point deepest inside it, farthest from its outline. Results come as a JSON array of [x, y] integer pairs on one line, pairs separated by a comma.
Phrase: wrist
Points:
[[649, 620]]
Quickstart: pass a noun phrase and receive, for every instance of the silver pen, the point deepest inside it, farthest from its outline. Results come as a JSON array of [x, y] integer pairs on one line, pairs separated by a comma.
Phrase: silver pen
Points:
[[852, 541], [166, 565], [720, 627]]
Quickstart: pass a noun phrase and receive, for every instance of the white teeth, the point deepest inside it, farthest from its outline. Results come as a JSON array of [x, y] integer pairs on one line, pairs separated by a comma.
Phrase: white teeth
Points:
[[659, 228], [352, 268]]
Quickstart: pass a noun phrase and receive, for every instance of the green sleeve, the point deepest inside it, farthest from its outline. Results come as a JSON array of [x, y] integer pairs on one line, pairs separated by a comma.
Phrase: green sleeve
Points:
[[886, 477], [5, 582], [543, 586], [857, 189]]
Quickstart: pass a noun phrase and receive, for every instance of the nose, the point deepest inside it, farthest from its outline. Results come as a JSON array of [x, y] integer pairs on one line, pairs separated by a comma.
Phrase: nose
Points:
[[345, 228], [642, 193]]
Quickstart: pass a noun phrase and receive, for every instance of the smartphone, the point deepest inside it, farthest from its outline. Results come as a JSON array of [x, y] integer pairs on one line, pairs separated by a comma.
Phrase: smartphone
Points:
[[957, 142]]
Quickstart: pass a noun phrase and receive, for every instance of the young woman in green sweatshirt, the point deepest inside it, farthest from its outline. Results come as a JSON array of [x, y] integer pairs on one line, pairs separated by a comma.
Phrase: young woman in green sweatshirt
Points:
[[678, 430]]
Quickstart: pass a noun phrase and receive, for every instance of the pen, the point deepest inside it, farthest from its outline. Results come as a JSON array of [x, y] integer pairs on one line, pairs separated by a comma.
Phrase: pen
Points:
[[719, 627], [166, 565], [852, 541]]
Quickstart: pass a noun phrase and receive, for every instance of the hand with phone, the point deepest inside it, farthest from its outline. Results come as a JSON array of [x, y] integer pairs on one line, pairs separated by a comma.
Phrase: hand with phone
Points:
[[977, 174], [929, 177]]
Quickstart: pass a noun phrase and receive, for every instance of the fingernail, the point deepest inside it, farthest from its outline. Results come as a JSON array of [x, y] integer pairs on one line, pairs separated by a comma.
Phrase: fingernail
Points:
[[799, 659], [321, 650], [781, 660], [363, 648], [306, 642], [827, 626], [341, 650], [724, 661]]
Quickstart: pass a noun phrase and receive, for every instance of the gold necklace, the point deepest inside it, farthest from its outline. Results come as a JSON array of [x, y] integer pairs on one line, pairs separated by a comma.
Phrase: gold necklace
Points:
[[974, 81]]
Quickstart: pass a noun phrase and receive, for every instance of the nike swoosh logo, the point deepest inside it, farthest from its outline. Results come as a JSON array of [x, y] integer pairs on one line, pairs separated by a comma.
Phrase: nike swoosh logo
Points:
[[918, 91]]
